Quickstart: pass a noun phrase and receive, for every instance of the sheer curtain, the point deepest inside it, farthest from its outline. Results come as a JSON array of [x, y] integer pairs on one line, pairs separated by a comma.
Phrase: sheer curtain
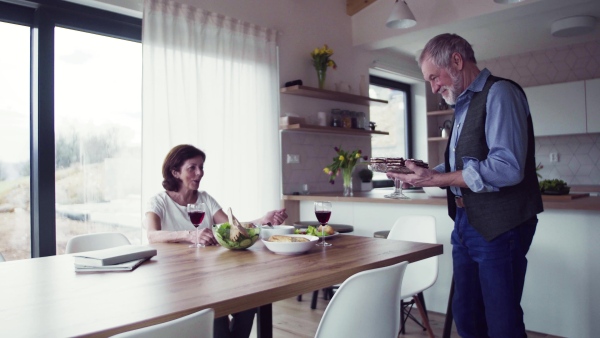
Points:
[[211, 81]]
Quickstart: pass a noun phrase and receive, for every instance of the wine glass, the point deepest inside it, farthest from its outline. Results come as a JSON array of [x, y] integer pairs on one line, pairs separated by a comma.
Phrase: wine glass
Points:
[[397, 194], [196, 211], [323, 213]]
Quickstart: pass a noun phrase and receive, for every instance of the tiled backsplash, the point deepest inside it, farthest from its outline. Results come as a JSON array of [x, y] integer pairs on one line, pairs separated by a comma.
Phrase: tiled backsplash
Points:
[[316, 151], [579, 155], [578, 158]]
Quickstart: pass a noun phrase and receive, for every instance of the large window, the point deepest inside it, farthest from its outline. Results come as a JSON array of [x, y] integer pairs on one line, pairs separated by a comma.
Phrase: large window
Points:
[[70, 144], [14, 141], [393, 117]]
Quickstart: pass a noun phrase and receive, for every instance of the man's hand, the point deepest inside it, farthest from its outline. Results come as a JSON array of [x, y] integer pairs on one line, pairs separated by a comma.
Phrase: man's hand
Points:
[[420, 178]]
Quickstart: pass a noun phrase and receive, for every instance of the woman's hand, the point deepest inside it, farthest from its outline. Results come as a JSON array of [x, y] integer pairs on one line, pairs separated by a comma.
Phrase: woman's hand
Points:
[[275, 217], [205, 236]]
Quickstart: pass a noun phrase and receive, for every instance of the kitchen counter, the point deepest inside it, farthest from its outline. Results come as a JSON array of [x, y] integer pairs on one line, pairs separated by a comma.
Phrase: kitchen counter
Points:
[[591, 203], [565, 247]]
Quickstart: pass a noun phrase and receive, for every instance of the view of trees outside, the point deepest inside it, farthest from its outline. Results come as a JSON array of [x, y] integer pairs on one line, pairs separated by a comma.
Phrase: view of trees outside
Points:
[[14, 142], [97, 141], [390, 118]]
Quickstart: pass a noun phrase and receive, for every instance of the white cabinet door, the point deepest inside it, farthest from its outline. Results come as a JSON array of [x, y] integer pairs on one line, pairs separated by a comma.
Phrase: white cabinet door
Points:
[[558, 109], [592, 101]]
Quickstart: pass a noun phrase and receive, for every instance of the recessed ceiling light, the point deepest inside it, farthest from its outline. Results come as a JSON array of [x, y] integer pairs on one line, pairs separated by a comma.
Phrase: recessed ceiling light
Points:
[[573, 26]]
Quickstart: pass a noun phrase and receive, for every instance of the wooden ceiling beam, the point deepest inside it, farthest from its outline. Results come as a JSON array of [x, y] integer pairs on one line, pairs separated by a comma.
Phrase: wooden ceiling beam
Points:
[[355, 6]]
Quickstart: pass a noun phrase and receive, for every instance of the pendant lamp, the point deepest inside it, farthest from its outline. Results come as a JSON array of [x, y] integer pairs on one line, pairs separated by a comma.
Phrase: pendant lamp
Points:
[[401, 17]]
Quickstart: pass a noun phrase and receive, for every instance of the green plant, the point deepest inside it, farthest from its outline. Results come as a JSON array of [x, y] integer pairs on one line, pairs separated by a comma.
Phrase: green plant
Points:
[[343, 162], [365, 175], [553, 185]]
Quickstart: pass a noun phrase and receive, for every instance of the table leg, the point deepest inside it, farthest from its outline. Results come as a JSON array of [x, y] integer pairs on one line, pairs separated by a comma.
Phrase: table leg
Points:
[[264, 321], [449, 316]]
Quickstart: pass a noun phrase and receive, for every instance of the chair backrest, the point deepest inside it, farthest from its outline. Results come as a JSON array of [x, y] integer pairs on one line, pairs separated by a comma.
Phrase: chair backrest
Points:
[[198, 324], [422, 274], [354, 311], [97, 241], [1, 258]]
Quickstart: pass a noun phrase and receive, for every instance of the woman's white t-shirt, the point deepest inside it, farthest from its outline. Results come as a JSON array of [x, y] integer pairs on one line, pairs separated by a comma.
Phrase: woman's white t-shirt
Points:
[[174, 217]]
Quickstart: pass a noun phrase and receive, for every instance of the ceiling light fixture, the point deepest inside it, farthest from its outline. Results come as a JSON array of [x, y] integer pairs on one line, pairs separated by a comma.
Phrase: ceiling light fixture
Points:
[[507, 1], [573, 26], [401, 17]]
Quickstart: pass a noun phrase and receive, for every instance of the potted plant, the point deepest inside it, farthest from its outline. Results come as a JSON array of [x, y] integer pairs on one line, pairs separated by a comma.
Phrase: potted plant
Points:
[[366, 178]]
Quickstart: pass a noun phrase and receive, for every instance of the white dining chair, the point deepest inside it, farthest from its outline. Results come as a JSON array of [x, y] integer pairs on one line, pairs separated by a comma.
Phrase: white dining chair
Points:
[[420, 275], [95, 241], [1, 258], [353, 312], [198, 325]]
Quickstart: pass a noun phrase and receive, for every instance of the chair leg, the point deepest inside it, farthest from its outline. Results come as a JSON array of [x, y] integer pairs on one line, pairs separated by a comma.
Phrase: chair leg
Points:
[[299, 298], [313, 302], [424, 316]]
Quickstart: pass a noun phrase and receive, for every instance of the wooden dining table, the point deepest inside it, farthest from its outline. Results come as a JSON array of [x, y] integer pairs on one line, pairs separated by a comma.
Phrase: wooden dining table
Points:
[[45, 297]]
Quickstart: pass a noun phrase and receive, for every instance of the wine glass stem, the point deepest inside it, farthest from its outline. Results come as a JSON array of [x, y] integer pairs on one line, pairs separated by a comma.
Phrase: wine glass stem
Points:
[[323, 232], [397, 186], [196, 236]]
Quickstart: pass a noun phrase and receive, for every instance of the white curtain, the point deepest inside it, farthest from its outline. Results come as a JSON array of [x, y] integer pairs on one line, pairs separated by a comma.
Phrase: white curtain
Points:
[[211, 81]]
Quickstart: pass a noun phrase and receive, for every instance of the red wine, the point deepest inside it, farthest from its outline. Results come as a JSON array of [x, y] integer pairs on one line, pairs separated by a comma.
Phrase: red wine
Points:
[[323, 216], [196, 217]]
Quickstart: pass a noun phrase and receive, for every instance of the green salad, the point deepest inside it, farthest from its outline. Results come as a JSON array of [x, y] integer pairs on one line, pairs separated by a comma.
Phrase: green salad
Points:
[[311, 230], [555, 185], [221, 232]]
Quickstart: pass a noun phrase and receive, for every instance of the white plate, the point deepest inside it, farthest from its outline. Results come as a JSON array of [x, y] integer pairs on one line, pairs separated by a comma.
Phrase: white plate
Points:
[[292, 248], [328, 236]]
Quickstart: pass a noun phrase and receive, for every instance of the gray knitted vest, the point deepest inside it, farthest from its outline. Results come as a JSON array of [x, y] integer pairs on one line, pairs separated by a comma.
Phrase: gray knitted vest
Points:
[[494, 213]]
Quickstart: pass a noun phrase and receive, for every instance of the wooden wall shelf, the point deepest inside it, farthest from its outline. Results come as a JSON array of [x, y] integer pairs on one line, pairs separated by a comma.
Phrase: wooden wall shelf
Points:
[[331, 130], [331, 95]]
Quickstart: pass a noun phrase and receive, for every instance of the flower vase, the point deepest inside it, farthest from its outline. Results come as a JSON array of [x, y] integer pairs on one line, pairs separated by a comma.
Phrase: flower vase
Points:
[[321, 73], [347, 175]]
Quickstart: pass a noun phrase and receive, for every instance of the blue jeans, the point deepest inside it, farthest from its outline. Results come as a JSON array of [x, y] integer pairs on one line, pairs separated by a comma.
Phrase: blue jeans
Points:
[[488, 279]]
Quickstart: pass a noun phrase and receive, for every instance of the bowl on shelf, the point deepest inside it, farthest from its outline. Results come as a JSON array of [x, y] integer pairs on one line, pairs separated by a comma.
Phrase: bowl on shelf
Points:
[[268, 231], [292, 248], [434, 191], [245, 239]]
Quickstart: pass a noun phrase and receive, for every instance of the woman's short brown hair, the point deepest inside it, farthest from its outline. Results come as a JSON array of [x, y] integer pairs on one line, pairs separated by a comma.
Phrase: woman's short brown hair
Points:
[[174, 160]]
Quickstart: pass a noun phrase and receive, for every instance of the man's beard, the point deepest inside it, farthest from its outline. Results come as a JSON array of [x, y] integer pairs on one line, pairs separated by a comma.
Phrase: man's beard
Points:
[[451, 92]]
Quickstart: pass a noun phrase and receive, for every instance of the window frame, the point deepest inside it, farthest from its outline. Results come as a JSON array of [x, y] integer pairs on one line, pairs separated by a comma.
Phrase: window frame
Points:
[[406, 88], [42, 17]]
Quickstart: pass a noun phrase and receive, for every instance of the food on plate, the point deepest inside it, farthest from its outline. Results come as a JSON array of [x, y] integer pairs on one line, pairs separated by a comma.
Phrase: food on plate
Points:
[[394, 164], [286, 239], [328, 229], [313, 231], [555, 186]]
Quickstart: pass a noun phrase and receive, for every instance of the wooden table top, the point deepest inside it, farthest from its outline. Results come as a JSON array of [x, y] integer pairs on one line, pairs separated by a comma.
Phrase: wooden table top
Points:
[[44, 297]]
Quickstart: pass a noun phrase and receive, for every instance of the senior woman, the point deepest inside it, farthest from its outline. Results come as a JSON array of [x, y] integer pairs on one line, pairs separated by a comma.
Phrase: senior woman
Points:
[[166, 219]]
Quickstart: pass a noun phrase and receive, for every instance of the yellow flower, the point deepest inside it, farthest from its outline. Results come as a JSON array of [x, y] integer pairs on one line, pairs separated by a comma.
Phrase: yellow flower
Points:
[[343, 160], [321, 58]]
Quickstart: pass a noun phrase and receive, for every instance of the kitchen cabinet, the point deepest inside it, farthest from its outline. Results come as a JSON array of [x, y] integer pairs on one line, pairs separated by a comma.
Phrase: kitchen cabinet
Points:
[[592, 102], [436, 144], [324, 94], [558, 109]]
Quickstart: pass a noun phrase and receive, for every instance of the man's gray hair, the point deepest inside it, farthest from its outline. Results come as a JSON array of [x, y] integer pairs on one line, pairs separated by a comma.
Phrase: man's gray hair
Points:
[[440, 49]]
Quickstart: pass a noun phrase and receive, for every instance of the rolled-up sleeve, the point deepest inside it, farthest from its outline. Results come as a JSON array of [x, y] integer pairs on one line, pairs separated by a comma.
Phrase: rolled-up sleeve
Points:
[[506, 136]]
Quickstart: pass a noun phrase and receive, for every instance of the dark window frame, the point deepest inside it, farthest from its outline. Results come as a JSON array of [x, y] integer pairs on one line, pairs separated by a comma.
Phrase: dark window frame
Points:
[[43, 16], [406, 88]]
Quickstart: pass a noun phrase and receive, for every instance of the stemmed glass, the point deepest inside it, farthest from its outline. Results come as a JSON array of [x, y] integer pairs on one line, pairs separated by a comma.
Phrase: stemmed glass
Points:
[[196, 211], [323, 213], [397, 194]]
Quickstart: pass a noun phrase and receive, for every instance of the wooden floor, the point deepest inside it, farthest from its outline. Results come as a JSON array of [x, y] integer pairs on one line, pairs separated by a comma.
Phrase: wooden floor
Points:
[[294, 319]]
